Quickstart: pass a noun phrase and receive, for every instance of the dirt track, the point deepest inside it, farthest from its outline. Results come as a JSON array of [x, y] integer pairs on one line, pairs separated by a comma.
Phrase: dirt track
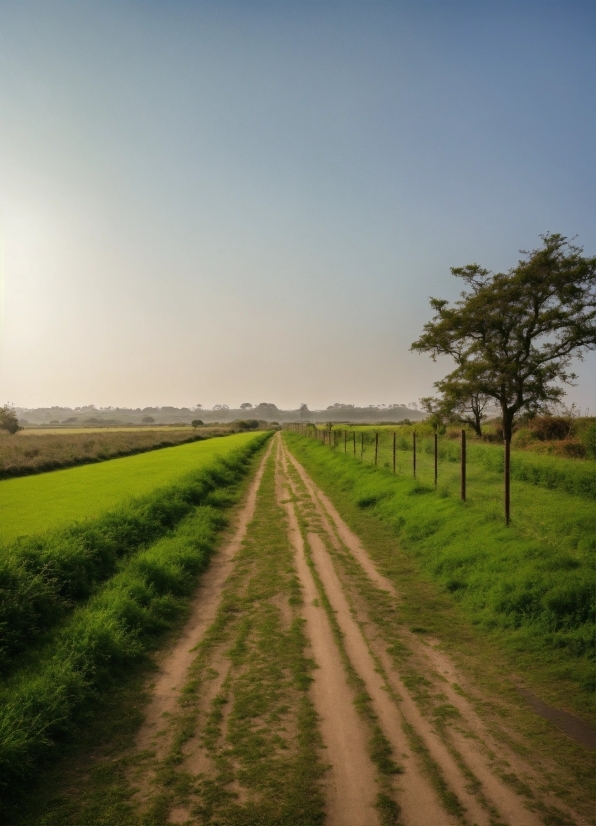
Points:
[[401, 741]]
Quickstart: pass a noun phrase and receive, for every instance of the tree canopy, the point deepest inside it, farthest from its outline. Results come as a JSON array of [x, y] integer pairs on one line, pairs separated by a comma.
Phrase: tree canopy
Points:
[[513, 335]]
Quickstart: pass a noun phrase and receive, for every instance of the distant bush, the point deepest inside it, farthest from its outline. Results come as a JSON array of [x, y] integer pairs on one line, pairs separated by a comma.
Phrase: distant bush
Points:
[[197, 423], [549, 428], [9, 420], [248, 424]]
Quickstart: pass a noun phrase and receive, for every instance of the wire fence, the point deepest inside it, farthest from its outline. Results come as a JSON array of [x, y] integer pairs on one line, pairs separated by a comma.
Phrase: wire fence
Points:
[[454, 467], [456, 464]]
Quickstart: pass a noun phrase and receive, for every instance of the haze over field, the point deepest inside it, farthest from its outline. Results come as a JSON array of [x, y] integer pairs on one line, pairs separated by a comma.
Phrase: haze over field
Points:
[[222, 202]]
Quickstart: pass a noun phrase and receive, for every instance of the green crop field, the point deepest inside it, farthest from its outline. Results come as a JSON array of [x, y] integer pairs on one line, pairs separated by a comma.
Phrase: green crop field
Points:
[[35, 504]]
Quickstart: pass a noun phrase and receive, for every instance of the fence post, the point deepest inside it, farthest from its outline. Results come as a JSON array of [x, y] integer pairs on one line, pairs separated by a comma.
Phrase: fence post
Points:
[[436, 458], [394, 435], [507, 470], [376, 447], [414, 452], [463, 466]]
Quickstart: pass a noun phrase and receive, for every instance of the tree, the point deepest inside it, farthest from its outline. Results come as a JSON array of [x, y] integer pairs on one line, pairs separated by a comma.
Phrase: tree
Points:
[[197, 423], [246, 406], [513, 335], [9, 420], [458, 402], [148, 420]]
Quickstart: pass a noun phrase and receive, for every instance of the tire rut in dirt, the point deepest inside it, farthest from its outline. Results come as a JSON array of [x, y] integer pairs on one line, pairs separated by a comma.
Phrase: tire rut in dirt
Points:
[[351, 786]]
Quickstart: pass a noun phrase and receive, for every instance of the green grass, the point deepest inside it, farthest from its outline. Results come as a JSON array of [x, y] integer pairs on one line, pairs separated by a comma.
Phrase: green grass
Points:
[[41, 702], [36, 504], [531, 585], [43, 577]]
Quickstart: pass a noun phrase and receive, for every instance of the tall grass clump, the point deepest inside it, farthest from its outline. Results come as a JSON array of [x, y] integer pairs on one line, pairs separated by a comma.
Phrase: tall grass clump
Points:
[[42, 578], [533, 583]]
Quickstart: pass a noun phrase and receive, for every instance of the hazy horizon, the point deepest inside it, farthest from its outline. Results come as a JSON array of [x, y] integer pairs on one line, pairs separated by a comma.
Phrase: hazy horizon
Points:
[[221, 202]]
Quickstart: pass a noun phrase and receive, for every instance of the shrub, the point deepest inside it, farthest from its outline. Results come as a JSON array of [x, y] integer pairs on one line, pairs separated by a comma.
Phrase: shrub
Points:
[[9, 420], [549, 428]]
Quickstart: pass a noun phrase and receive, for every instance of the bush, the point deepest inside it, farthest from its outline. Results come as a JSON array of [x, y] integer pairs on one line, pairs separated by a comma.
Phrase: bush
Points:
[[9, 420], [247, 424], [550, 428]]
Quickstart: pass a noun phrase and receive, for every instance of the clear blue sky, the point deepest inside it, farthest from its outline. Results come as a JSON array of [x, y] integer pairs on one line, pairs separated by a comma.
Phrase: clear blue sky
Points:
[[219, 202]]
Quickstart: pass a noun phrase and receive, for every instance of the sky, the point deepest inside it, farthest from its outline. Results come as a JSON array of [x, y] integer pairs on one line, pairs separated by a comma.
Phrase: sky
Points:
[[222, 202]]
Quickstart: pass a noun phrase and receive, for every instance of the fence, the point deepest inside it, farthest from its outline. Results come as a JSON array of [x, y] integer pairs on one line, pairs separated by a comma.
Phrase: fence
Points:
[[451, 466]]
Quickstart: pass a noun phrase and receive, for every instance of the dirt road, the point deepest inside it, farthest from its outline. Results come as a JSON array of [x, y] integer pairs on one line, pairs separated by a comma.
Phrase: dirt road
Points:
[[295, 696]]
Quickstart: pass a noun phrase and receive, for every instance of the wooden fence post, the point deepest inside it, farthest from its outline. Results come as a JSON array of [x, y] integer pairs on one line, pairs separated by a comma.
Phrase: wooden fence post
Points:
[[463, 466], [414, 452], [436, 459], [507, 470], [394, 435]]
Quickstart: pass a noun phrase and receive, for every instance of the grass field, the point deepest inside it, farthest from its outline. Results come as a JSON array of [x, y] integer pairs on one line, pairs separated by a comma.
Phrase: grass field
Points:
[[35, 504], [531, 584]]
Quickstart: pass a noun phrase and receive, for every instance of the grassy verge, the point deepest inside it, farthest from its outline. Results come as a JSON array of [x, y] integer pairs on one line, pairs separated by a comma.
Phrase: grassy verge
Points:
[[41, 703], [531, 593], [43, 578]]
